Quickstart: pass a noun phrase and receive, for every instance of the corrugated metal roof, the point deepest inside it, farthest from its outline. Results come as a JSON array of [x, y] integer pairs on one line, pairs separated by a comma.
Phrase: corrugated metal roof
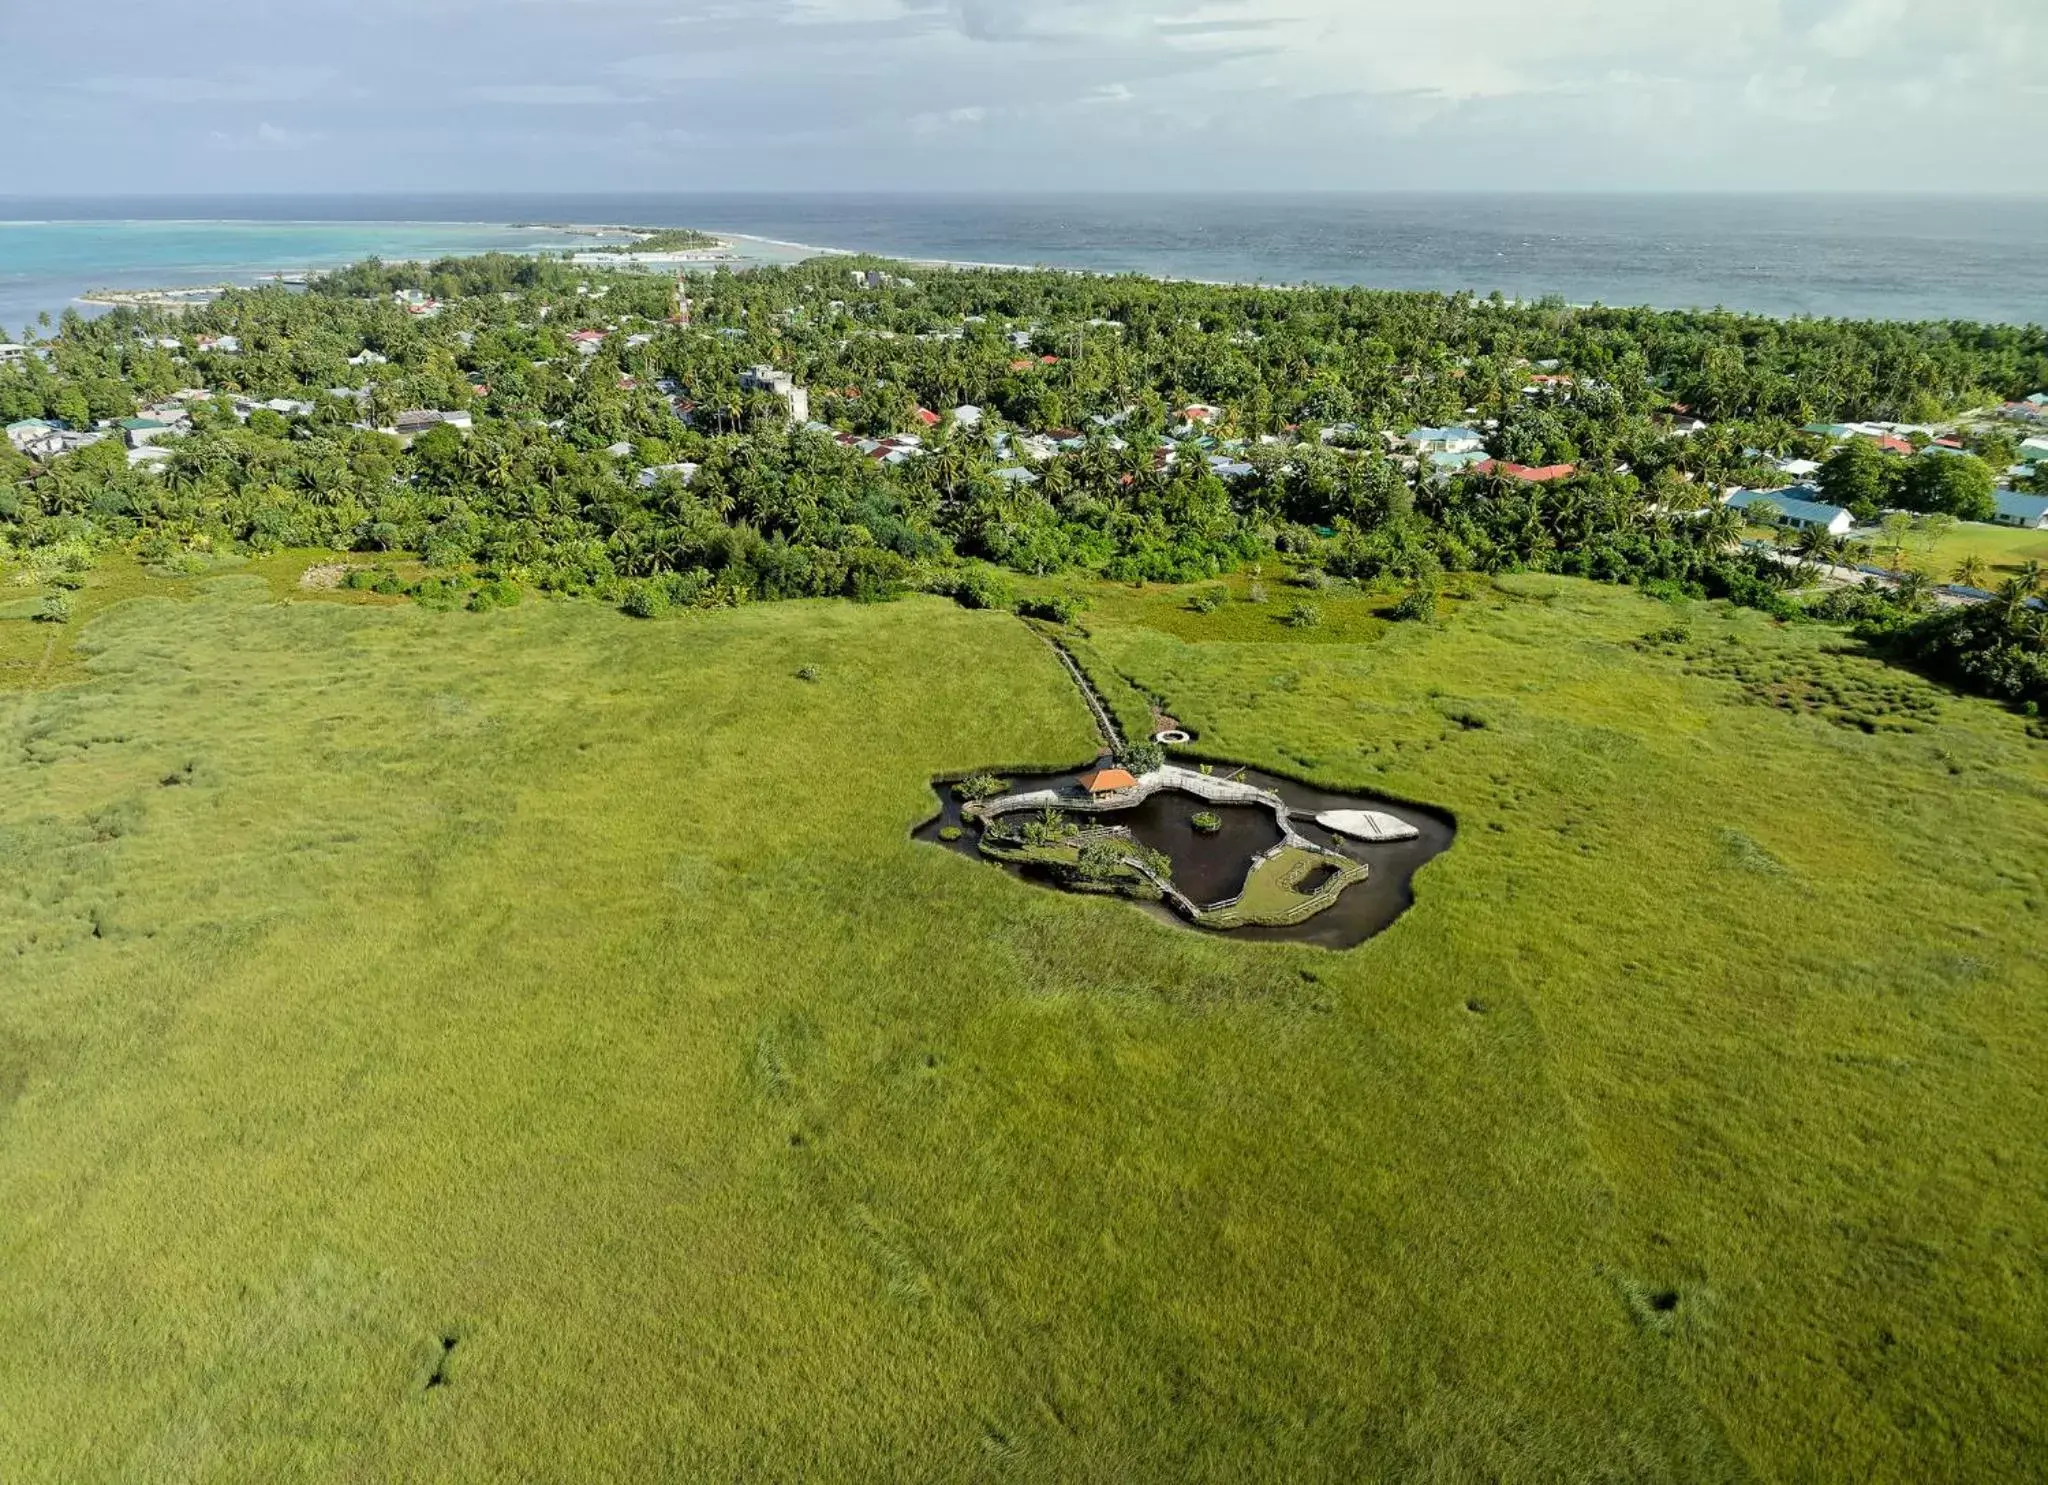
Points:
[[1790, 505], [2028, 509]]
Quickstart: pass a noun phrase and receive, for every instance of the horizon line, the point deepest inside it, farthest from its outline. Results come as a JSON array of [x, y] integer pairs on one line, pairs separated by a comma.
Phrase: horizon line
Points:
[[1039, 193]]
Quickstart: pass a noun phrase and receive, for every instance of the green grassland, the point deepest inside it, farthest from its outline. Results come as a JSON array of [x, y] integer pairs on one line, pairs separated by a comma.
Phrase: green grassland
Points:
[[528, 1045], [1272, 892], [2002, 549]]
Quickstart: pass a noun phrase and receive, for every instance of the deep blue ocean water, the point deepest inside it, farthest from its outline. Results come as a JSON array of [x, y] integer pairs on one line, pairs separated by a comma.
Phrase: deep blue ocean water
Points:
[[1877, 257]]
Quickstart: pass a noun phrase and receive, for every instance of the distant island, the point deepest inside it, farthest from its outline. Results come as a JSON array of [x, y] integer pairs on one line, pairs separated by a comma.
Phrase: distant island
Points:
[[672, 240]]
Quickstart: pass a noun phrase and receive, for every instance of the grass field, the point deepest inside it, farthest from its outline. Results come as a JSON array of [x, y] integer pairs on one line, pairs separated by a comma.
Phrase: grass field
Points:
[[1273, 892], [2002, 548], [527, 1045]]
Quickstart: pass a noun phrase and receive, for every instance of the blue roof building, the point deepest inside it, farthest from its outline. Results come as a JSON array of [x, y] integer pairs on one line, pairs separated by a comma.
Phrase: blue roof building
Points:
[[2029, 512], [1794, 509]]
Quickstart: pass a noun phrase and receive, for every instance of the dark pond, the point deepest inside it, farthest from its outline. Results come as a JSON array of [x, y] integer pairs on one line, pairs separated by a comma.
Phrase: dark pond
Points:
[[1208, 868], [1212, 868]]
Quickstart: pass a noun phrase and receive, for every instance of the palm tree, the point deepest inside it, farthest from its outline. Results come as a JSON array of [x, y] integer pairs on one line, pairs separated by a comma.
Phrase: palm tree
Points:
[[2013, 598], [1818, 547], [1969, 572], [1910, 588], [1720, 528], [2031, 575]]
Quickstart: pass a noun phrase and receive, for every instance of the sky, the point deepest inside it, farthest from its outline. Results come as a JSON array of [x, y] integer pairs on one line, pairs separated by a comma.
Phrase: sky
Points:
[[1027, 95]]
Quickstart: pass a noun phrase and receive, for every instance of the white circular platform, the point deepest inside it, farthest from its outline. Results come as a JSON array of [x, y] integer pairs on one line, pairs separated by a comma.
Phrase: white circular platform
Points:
[[1368, 825]]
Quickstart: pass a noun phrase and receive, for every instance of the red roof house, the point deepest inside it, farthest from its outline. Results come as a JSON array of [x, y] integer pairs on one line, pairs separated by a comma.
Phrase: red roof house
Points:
[[1108, 781], [1527, 475]]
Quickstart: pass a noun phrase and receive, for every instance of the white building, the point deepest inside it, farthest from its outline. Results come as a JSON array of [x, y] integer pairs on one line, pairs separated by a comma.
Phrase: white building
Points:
[[59, 442], [780, 384], [27, 431], [1788, 508], [142, 432], [652, 476], [410, 425], [1444, 441], [2028, 512]]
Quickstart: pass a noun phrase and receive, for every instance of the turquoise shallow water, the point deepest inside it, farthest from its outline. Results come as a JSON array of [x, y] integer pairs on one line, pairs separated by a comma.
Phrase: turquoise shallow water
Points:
[[45, 265], [1878, 257]]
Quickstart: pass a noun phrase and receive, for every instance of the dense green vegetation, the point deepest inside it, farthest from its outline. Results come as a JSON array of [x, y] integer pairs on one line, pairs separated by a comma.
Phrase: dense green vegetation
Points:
[[450, 1045], [638, 469]]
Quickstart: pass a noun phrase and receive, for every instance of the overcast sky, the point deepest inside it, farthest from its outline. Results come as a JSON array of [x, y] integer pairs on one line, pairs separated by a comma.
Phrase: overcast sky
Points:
[[314, 95]]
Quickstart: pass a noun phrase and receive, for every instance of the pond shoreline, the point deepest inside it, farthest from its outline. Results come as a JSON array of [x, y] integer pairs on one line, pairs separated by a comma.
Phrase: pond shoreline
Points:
[[1368, 885]]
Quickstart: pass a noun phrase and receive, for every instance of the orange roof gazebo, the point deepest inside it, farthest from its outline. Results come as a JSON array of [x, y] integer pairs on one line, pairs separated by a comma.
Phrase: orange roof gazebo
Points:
[[1108, 781]]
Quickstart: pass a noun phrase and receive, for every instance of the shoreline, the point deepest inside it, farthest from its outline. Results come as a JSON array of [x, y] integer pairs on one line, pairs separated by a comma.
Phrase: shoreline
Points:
[[594, 237], [598, 237]]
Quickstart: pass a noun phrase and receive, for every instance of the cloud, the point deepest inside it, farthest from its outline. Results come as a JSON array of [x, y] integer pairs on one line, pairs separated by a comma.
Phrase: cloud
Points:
[[546, 95], [1103, 93], [243, 85], [264, 137]]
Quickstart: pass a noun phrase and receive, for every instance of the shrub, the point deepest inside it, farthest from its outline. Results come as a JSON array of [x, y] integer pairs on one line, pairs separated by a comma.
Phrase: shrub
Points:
[[1208, 822], [645, 601], [1304, 616], [977, 588], [154, 549], [950, 833], [1142, 758], [55, 609], [1208, 600], [807, 673], [438, 594], [1047, 828], [981, 786], [496, 593], [1418, 607], [1061, 609], [1256, 593]]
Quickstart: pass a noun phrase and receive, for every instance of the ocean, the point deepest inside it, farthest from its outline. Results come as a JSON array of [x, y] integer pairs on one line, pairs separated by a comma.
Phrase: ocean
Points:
[[1883, 257]]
